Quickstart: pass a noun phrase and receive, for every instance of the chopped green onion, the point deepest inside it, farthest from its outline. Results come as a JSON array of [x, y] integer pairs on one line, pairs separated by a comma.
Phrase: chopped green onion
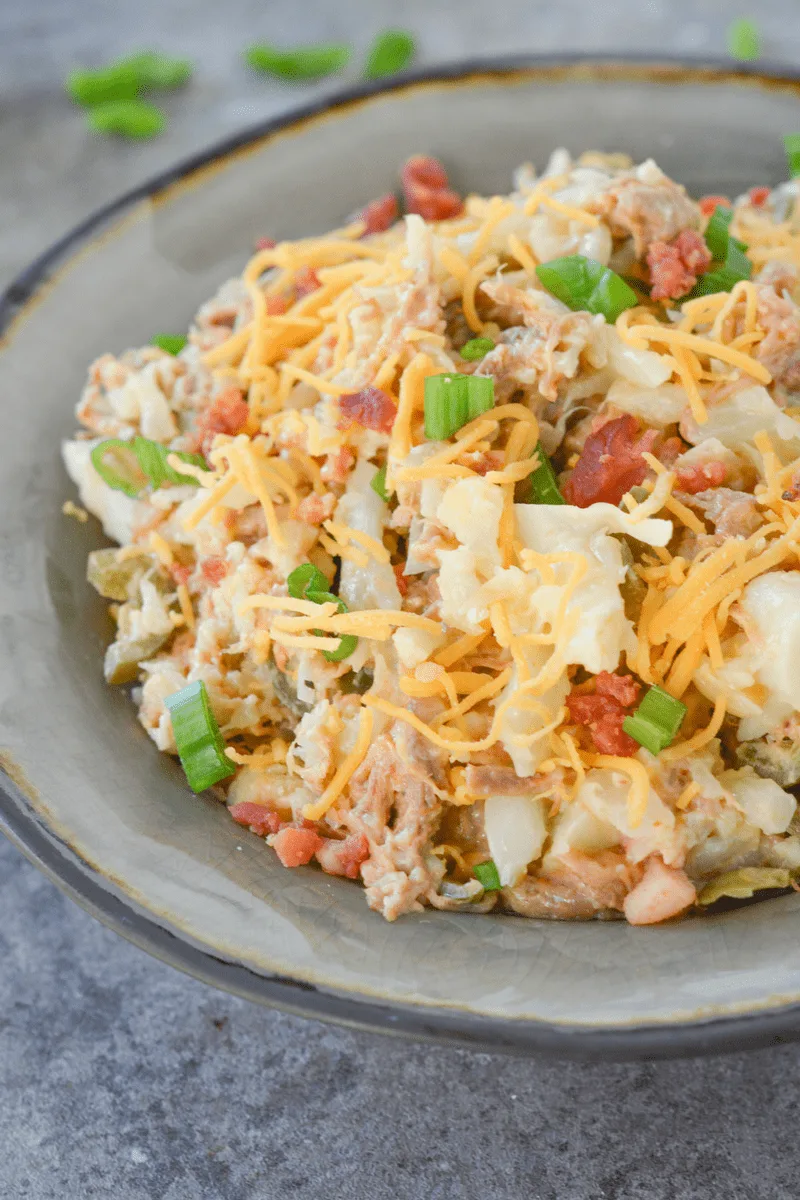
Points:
[[718, 236], [127, 118], [487, 874], [197, 737], [543, 485], [304, 579], [306, 62], [737, 266], [791, 142], [378, 484], [656, 721], [117, 464], [392, 51], [152, 458], [453, 400], [585, 285], [476, 348], [118, 82], [348, 641], [172, 343], [154, 70], [744, 41]]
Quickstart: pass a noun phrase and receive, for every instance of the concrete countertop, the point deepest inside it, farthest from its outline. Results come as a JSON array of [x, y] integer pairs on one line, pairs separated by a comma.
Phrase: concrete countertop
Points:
[[118, 1076]]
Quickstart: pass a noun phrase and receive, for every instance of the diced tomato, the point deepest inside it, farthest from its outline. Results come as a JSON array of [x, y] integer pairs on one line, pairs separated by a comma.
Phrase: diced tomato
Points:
[[306, 281], [674, 266], [371, 408], [295, 847], [343, 858], [426, 191], [379, 215], [610, 464], [264, 243], [277, 305], [603, 711], [758, 196], [402, 582], [258, 817], [707, 204], [228, 414], [180, 573], [697, 478], [214, 569]]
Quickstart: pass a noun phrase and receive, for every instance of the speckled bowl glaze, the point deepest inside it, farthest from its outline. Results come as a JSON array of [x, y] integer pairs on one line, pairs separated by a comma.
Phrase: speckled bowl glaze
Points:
[[86, 794]]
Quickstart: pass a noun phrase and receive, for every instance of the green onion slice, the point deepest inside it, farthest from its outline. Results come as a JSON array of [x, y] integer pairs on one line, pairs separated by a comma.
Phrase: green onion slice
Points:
[[118, 82], [791, 142], [585, 285], [154, 70], [744, 41], [392, 51], [453, 400], [172, 343], [304, 579], [348, 641], [487, 874], [197, 736], [718, 235], [543, 485], [305, 62], [656, 721], [130, 466], [152, 458], [378, 484], [476, 348], [127, 118]]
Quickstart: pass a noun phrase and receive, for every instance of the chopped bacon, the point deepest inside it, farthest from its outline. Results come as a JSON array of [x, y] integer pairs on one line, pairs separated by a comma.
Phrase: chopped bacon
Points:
[[426, 191], [700, 476], [670, 449], [306, 281], [402, 582], [277, 305], [338, 465], [179, 572], [345, 857], [707, 204], [214, 569], [228, 414], [611, 463], [603, 711], [314, 509], [674, 266], [371, 408], [758, 196], [265, 243], [379, 215], [258, 817], [295, 847]]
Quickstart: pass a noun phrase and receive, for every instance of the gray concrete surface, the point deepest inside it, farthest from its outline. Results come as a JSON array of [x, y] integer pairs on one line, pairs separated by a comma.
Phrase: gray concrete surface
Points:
[[120, 1078]]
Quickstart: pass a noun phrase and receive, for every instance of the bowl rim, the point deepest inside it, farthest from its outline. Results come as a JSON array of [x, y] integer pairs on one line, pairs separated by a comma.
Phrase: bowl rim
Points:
[[114, 908]]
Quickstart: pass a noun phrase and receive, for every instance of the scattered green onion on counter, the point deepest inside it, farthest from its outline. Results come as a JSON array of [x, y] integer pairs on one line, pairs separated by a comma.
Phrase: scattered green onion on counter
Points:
[[486, 873], [304, 62], [585, 285], [656, 721], [451, 401], [476, 348], [197, 737], [392, 51], [542, 483], [744, 40], [126, 118], [791, 142]]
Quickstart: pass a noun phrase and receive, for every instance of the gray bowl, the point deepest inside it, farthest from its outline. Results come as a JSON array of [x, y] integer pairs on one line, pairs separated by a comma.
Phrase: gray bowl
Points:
[[87, 796]]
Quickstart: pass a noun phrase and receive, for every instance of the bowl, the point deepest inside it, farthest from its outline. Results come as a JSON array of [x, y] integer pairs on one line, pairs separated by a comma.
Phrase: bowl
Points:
[[85, 793]]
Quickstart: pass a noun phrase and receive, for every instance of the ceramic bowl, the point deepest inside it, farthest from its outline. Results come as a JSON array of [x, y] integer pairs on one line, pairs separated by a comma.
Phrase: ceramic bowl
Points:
[[86, 794]]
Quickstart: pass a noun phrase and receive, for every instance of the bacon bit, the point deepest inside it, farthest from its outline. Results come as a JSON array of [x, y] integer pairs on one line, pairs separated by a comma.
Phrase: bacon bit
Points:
[[379, 215], [402, 582], [700, 476], [707, 204], [483, 461], [179, 572], [277, 305], [371, 408], [306, 281], [425, 189], [265, 243], [258, 817], [295, 847], [610, 464], [345, 857], [337, 466], [314, 509], [603, 711], [214, 569], [669, 450], [758, 196], [674, 266], [228, 414]]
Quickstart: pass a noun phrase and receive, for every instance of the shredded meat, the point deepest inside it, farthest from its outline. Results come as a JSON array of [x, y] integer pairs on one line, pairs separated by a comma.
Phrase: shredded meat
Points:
[[583, 886], [674, 266], [780, 349], [649, 211], [733, 514], [504, 781], [611, 463]]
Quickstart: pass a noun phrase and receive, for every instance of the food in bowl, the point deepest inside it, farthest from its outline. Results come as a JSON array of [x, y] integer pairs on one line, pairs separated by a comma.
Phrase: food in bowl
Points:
[[459, 552]]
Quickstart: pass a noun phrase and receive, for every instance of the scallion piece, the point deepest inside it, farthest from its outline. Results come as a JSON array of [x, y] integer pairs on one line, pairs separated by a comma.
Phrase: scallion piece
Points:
[[348, 641], [791, 142], [487, 874], [117, 82], [585, 285], [744, 41], [392, 51], [476, 348], [154, 70], [152, 458], [378, 484], [656, 721], [718, 235], [542, 483], [304, 579], [172, 343], [117, 464], [126, 118], [197, 737], [305, 62], [453, 400]]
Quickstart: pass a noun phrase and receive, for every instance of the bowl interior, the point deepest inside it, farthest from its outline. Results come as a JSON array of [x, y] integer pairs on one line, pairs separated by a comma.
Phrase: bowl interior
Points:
[[95, 780]]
